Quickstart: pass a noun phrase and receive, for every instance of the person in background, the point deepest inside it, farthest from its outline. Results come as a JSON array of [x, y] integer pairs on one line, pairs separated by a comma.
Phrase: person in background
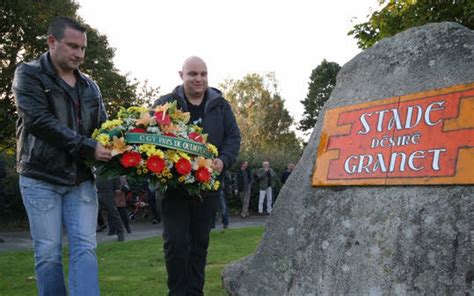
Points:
[[121, 203], [153, 194], [266, 181], [244, 184], [100, 220], [107, 190], [287, 172], [58, 109], [187, 220], [225, 193]]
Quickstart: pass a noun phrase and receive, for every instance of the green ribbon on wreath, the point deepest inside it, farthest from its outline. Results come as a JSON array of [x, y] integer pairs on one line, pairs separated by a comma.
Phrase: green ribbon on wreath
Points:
[[185, 145]]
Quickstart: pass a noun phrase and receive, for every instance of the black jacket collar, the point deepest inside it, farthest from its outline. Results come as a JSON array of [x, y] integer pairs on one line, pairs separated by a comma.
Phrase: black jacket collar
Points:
[[47, 67]]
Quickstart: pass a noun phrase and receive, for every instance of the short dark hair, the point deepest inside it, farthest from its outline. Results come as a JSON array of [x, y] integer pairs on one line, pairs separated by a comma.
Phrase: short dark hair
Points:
[[59, 25]]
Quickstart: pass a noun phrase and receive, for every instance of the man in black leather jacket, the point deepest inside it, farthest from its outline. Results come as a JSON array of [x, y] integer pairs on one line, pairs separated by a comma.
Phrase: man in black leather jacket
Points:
[[186, 220], [58, 108]]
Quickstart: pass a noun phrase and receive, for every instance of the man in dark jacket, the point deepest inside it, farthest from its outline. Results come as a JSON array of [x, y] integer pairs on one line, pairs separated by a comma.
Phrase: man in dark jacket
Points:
[[187, 221], [58, 110], [287, 172], [244, 184], [266, 181]]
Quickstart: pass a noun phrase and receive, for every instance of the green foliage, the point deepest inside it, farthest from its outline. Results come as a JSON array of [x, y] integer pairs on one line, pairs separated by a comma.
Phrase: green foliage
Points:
[[12, 210], [135, 267], [263, 120], [399, 15], [23, 27], [322, 82]]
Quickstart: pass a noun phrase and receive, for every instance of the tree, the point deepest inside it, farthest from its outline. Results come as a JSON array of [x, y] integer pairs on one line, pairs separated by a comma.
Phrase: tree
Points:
[[322, 82], [23, 27], [263, 120], [399, 15]]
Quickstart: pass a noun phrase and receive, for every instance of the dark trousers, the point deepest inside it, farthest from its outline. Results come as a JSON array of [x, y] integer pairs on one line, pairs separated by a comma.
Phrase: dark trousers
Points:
[[107, 202], [154, 205], [186, 228], [124, 217], [223, 209]]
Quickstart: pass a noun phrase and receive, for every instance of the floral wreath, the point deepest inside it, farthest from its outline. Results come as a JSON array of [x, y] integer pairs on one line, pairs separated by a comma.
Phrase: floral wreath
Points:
[[159, 146]]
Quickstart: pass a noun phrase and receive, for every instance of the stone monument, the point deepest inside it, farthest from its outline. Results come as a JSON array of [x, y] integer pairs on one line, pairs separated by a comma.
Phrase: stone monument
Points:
[[383, 239]]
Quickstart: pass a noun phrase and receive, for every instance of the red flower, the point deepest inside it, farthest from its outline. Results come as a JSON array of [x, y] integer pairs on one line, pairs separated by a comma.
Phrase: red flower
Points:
[[195, 137], [169, 135], [202, 175], [162, 118], [130, 159], [183, 166], [137, 130], [155, 164]]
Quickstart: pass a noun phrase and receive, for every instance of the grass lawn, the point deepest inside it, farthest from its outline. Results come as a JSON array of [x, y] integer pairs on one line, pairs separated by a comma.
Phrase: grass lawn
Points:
[[135, 267]]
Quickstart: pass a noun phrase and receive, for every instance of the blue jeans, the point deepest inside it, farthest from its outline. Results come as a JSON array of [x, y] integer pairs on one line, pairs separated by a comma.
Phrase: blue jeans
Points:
[[223, 208], [49, 207]]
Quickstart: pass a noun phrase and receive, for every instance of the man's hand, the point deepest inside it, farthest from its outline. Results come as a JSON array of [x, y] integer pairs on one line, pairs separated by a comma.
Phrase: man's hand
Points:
[[101, 153], [218, 165]]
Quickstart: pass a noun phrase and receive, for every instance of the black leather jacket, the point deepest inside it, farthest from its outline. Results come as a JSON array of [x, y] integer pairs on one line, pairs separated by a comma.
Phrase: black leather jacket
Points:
[[51, 140]]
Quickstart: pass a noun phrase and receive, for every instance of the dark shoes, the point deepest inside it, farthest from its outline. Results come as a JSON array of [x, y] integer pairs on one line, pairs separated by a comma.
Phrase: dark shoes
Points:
[[101, 228], [120, 236], [129, 230]]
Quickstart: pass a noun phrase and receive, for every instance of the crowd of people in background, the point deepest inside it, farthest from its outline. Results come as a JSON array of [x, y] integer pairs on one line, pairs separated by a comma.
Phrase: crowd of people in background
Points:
[[120, 201], [123, 202], [239, 186]]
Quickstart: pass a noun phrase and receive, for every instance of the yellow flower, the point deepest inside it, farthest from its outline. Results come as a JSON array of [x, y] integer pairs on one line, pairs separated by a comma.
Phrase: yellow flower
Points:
[[110, 124], [119, 146], [202, 162], [95, 134], [179, 115], [149, 149], [122, 113], [139, 171], [159, 153], [213, 149], [162, 108], [181, 179], [144, 119], [196, 128], [172, 155], [170, 128], [103, 139], [145, 170], [137, 109], [217, 184], [184, 155]]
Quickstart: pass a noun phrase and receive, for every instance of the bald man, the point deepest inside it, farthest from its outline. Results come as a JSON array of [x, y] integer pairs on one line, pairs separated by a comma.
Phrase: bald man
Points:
[[186, 220]]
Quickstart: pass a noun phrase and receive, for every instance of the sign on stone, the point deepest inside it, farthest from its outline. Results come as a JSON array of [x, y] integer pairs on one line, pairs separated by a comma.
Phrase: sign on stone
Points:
[[423, 138]]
